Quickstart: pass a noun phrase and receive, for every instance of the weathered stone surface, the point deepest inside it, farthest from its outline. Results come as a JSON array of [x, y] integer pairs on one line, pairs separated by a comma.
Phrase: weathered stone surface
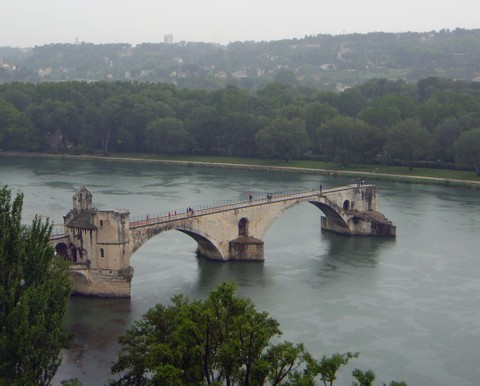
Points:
[[246, 248]]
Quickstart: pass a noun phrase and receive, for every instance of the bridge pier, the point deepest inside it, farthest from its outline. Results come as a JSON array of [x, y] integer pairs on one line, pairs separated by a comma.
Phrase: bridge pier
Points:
[[353, 213], [246, 248]]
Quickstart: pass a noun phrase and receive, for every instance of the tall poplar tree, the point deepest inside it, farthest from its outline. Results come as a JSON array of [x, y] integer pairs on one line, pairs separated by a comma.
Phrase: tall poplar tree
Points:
[[34, 291]]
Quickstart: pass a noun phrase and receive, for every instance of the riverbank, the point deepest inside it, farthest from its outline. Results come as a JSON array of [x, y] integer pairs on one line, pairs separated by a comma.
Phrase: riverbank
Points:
[[419, 175]]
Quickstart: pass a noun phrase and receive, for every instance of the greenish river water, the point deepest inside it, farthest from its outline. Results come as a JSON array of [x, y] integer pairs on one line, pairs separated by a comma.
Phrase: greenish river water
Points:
[[410, 305]]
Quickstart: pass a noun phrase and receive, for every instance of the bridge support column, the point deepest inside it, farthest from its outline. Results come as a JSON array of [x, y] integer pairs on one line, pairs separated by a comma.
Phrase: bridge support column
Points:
[[246, 248]]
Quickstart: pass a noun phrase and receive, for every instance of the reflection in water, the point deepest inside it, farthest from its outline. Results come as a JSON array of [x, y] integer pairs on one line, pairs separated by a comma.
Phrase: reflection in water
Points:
[[94, 325], [346, 256], [212, 273], [357, 251]]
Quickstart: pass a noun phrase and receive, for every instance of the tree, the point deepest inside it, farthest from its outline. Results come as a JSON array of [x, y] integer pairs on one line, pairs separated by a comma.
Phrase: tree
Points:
[[286, 77], [283, 138], [447, 132], [16, 130], [408, 141], [57, 121], [222, 340], [113, 112], [205, 127], [315, 115], [364, 378], [328, 367], [239, 133], [384, 111], [275, 96], [167, 135], [350, 103], [345, 140], [467, 150], [34, 291]]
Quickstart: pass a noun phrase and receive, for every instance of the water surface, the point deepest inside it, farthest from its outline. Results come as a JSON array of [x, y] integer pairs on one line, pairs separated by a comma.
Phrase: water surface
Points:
[[410, 305]]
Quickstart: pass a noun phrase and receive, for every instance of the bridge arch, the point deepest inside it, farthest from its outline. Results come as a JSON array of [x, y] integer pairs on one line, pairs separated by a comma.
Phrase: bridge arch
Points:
[[332, 215], [206, 246], [81, 283]]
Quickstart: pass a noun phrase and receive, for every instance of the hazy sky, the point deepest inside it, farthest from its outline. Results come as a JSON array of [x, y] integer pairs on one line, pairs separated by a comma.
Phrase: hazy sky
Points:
[[26, 23]]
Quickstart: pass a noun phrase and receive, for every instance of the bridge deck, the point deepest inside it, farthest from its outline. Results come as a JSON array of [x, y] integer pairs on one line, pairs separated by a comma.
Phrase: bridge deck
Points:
[[174, 215], [164, 217]]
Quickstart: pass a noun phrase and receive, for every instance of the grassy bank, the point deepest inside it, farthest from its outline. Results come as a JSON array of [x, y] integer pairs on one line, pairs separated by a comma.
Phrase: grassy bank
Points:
[[403, 174], [445, 177]]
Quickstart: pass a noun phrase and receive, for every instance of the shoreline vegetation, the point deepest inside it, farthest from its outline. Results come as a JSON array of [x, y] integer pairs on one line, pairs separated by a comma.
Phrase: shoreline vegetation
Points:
[[445, 177]]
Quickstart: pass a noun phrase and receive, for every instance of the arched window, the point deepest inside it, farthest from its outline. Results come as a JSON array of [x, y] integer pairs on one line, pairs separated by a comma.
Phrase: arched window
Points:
[[243, 227], [102, 252], [346, 205]]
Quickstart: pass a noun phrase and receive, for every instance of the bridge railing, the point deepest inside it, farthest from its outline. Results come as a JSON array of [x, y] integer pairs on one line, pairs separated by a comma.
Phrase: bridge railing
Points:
[[57, 233], [219, 206]]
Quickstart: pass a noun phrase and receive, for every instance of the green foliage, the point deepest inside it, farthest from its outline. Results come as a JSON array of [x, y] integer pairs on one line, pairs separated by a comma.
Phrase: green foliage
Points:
[[315, 115], [222, 339], [345, 140], [408, 141], [278, 120], [467, 150], [328, 367], [364, 378], [283, 138], [71, 382], [311, 61], [167, 135], [34, 291]]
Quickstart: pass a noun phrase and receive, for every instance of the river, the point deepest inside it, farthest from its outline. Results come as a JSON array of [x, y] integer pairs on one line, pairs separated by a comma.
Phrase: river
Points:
[[410, 305]]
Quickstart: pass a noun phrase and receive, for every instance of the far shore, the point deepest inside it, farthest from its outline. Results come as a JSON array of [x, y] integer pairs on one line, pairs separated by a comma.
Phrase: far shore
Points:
[[372, 173]]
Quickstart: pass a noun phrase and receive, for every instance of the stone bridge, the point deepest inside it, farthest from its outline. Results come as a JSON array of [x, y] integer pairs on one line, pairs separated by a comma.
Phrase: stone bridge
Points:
[[100, 243]]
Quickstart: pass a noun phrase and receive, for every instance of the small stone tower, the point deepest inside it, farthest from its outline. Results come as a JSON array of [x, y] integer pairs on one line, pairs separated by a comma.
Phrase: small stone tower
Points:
[[82, 200], [99, 248]]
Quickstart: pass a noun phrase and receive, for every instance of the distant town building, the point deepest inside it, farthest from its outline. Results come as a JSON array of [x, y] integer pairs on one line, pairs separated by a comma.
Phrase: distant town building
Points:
[[168, 39]]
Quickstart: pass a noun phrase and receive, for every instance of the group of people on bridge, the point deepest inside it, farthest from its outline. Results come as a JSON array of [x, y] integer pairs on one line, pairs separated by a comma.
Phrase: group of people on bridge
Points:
[[360, 182], [269, 197]]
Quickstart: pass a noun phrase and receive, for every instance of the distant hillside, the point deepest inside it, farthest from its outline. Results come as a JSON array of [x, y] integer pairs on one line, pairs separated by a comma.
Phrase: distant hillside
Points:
[[325, 62]]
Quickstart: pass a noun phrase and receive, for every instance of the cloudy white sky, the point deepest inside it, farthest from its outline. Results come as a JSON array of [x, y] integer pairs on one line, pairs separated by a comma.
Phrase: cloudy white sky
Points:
[[26, 23]]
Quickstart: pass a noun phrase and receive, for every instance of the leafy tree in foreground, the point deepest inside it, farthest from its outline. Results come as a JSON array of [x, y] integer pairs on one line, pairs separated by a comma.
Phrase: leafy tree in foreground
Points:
[[364, 378], [222, 340], [34, 291]]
